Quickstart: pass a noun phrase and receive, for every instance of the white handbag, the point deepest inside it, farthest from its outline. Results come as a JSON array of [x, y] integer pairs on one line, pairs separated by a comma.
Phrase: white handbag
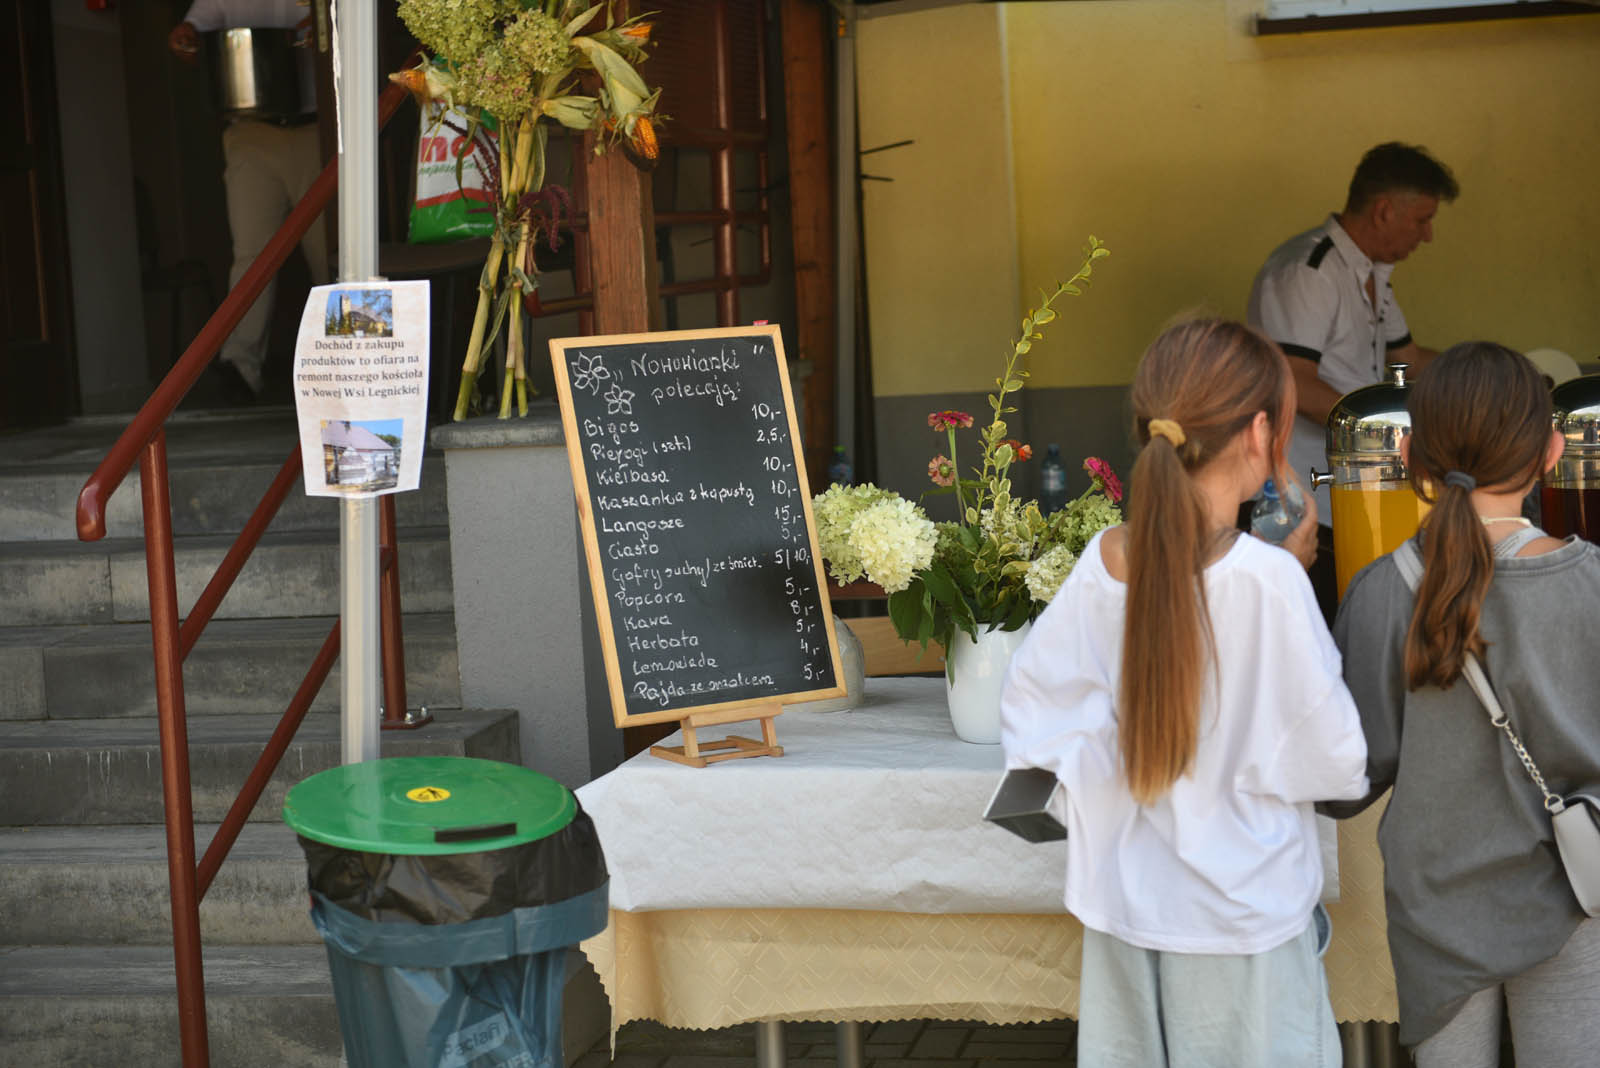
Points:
[[1576, 817]]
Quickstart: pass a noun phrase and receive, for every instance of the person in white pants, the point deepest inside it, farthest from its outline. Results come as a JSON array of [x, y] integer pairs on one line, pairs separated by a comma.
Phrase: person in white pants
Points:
[[271, 163]]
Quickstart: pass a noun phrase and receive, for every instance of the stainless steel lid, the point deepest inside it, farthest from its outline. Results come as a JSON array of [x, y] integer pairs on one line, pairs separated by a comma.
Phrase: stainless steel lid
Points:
[[1577, 414], [1370, 421], [265, 73]]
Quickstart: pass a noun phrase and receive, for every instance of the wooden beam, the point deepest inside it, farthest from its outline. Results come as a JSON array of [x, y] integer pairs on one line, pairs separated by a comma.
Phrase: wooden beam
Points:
[[807, 32], [622, 249]]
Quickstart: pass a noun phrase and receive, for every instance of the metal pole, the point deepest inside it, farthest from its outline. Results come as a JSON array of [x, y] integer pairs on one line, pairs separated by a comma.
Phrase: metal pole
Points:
[[769, 1044], [846, 165], [847, 1044], [172, 718], [356, 84]]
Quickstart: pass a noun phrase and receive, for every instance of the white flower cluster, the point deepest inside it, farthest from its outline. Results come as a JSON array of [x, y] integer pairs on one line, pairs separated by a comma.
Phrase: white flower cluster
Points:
[[835, 509], [1084, 518], [1046, 574], [895, 540]]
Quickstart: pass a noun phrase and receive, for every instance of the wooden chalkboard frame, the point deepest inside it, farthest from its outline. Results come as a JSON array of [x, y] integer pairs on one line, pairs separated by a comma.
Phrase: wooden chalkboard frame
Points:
[[722, 711]]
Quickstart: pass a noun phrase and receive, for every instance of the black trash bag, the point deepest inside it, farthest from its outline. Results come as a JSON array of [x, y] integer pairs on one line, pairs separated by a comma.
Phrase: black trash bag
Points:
[[459, 887]]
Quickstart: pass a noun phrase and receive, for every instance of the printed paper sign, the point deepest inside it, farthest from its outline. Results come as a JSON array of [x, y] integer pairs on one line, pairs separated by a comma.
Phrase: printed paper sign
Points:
[[361, 387]]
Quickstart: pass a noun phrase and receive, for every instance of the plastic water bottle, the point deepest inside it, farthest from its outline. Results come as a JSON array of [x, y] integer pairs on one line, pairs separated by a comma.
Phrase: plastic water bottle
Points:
[[840, 471], [1275, 517], [1052, 481]]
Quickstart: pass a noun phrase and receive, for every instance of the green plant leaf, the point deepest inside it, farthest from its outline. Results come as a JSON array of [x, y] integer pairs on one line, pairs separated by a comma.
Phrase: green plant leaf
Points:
[[905, 610], [1023, 346], [1044, 315], [940, 585]]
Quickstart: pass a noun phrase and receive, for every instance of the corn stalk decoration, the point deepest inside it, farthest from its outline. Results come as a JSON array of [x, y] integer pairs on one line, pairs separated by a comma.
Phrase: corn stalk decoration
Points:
[[524, 61]]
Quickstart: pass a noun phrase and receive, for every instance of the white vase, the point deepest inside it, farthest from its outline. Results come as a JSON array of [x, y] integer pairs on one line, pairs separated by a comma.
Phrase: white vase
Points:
[[979, 670]]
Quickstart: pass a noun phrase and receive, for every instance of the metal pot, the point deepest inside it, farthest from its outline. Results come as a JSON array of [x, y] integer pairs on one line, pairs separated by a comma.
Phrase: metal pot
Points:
[[1374, 508], [265, 73], [1569, 494]]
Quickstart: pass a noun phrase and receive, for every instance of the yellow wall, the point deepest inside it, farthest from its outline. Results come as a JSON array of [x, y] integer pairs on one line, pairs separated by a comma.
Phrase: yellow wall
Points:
[[941, 245], [1192, 147]]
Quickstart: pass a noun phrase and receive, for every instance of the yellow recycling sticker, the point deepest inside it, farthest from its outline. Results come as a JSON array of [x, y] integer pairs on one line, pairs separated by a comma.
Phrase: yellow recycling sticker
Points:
[[428, 793]]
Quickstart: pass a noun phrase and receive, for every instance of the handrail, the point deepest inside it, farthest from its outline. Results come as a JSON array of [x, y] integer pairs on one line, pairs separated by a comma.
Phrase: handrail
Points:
[[124, 454], [173, 637]]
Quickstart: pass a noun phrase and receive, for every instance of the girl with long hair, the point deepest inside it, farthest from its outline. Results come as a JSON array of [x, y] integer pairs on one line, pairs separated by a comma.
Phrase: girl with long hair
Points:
[[1185, 691], [1482, 920]]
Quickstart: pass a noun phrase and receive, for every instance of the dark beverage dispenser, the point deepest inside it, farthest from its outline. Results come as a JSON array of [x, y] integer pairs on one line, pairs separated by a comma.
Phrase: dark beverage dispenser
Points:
[[1569, 493]]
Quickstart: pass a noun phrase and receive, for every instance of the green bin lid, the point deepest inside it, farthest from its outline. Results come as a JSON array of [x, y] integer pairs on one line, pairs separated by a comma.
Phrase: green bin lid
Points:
[[428, 805]]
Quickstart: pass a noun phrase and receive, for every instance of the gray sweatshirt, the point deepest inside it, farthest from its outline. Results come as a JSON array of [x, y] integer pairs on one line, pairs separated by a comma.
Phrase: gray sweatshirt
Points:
[[1474, 888]]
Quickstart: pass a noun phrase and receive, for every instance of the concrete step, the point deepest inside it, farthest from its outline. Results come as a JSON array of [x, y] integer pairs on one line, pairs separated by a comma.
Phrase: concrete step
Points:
[[88, 1006], [239, 666], [92, 1006], [48, 875], [294, 573], [108, 771], [219, 464]]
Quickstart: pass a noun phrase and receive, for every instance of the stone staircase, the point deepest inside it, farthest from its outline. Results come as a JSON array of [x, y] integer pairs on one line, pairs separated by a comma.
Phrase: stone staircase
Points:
[[86, 973]]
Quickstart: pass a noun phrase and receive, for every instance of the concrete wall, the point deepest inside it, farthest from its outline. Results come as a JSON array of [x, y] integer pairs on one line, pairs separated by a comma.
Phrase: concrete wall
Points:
[[97, 167], [1192, 147]]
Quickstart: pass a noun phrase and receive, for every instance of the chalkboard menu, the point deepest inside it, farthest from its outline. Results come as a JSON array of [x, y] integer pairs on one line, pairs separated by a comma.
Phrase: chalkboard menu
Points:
[[696, 520]]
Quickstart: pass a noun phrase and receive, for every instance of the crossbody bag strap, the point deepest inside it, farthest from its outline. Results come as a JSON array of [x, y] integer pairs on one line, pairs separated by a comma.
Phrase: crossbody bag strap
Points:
[[1409, 563]]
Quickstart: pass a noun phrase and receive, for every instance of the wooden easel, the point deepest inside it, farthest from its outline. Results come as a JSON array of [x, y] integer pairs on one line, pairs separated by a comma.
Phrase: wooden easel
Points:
[[690, 752]]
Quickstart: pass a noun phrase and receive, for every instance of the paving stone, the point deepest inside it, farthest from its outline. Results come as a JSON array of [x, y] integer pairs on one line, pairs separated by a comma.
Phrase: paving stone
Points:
[[1052, 1031], [940, 1042], [1055, 1052], [901, 1031]]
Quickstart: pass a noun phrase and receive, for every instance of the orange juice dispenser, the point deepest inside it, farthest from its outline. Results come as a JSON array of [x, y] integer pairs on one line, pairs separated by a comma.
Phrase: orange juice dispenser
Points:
[[1569, 494], [1374, 507]]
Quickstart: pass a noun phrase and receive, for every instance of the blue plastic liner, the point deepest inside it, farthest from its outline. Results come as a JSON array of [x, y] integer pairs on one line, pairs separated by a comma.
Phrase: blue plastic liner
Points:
[[482, 994]]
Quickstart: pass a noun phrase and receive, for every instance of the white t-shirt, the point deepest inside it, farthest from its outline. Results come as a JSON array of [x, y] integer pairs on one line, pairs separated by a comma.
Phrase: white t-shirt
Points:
[[1310, 297], [1227, 861]]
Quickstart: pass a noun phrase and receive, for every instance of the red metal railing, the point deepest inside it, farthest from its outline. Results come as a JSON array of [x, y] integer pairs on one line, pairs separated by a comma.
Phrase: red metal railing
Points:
[[144, 443]]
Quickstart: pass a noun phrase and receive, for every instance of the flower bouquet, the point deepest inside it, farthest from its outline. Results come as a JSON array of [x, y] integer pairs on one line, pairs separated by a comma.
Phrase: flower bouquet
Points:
[[522, 62], [1002, 560]]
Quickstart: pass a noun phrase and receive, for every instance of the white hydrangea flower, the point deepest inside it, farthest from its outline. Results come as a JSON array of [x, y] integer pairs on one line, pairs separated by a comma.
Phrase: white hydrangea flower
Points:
[[1046, 574], [1087, 517], [835, 510], [894, 540]]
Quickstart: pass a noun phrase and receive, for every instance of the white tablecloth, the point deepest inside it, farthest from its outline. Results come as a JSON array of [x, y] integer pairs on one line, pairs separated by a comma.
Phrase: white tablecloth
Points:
[[877, 808], [853, 878]]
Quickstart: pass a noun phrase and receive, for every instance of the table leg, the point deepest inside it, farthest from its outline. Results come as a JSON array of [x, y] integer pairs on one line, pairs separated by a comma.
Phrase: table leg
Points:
[[847, 1044], [769, 1044], [1372, 1044], [1353, 1037]]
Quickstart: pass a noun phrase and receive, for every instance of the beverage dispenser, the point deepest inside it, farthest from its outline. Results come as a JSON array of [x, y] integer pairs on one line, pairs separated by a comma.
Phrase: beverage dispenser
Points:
[[1569, 494], [1374, 507]]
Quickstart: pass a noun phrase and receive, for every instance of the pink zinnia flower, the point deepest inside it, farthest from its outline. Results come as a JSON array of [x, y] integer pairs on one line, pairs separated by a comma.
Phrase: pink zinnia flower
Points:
[[948, 419], [941, 470], [1101, 472]]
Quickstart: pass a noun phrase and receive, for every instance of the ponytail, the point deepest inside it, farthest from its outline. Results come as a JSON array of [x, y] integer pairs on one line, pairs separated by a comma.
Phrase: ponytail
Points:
[[1166, 633], [1480, 415], [1199, 385]]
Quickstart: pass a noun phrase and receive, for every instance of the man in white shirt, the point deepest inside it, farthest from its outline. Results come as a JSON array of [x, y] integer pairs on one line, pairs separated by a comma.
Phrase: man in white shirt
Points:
[[1324, 296], [271, 163]]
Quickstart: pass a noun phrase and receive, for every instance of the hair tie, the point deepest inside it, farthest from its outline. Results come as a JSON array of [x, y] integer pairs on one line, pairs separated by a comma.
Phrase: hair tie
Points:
[[1461, 480], [1169, 429]]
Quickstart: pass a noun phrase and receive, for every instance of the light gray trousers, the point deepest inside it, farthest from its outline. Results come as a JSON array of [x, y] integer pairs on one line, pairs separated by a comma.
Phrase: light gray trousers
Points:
[[1554, 1009], [1142, 1008]]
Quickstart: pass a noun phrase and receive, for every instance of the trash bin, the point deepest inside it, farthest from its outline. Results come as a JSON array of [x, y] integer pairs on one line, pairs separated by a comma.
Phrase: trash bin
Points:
[[447, 890]]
